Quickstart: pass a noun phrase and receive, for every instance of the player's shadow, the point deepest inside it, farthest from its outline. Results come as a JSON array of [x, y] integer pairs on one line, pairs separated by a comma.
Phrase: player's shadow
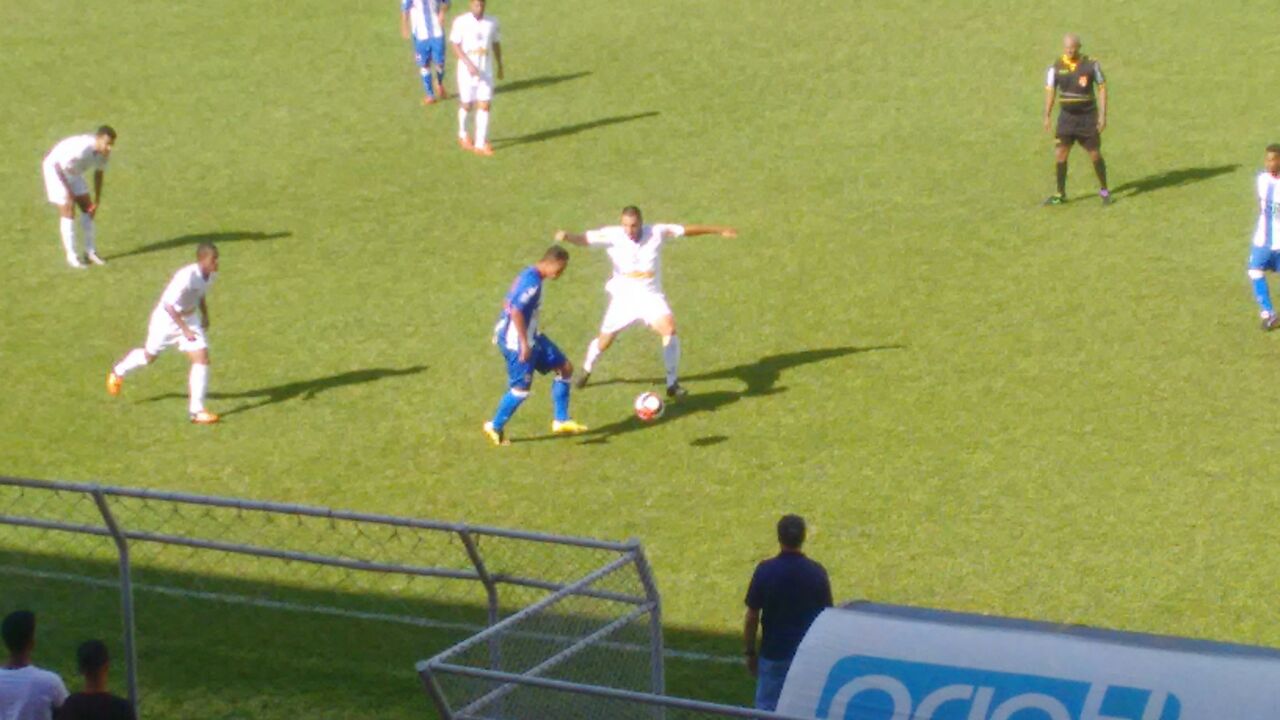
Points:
[[552, 134], [537, 82], [305, 389], [217, 238], [761, 378], [1172, 178]]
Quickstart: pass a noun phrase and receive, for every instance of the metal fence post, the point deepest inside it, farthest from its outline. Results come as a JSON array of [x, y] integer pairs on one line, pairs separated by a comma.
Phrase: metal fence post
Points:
[[656, 650], [433, 690], [126, 597]]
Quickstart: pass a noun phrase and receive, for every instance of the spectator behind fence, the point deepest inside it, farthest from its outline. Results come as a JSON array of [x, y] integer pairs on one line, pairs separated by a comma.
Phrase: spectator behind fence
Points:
[[790, 590], [26, 691], [95, 702]]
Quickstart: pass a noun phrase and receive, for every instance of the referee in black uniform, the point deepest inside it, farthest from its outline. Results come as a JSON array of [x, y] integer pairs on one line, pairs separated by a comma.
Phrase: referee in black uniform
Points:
[[1076, 82]]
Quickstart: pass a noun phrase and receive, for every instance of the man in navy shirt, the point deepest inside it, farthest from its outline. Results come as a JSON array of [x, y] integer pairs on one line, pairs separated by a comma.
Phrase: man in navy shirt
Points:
[[789, 590]]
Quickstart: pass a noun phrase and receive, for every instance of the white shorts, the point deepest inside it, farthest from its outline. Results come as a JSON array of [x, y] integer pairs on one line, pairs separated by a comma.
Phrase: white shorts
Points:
[[472, 89], [56, 191], [627, 308], [163, 332]]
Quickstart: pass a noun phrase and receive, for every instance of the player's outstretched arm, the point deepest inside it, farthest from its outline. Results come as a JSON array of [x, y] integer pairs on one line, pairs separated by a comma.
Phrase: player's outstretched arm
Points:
[[571, 238], [721, 230]]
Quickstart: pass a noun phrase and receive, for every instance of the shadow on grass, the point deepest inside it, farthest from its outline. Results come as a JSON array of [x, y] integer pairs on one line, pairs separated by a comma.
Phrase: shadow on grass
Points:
[[305, 389], [212, 644], [1172, 178], [217, 238], [544, 135], [761, 379], [538, 82]]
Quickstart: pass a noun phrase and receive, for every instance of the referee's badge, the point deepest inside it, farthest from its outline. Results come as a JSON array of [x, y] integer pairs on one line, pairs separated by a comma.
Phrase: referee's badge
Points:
[[1084, 81]]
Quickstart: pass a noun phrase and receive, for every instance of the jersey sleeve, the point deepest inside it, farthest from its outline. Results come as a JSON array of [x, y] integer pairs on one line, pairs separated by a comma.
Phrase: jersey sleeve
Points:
[[173, 292], [1050, 78], [598, 238], [404, 5], [1097, 73], [455, 30], [58, 690], [669, 230], [524, 296], [755, 591]]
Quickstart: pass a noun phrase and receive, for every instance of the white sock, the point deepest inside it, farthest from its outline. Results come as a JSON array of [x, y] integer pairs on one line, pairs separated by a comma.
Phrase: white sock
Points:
[[462, 122], [482, 127], [593, 354], [198, 381], [134, 360], [67, 227], [671, 357], [87, 232]]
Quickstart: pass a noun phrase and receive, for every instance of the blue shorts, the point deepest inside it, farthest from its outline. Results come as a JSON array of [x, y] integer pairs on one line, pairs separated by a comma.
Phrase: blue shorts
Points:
[[430, 51], [544, 357], [1264, 258]]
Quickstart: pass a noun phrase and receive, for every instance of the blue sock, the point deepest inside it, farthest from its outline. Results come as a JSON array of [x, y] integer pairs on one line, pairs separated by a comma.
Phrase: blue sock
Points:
[[507, 407], [560, 398], [1262, 294], [426, 82]]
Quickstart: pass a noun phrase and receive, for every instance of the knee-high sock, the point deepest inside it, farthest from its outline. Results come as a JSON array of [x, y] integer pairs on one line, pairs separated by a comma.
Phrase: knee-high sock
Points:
[[593, 354], [671, 357], [1100, 169], [482, 127], [440, 76], [1261, 292], [507, 407], [198, 382], [426, 82], [560, 398], [1062, 178], [67, 228], [462, 122], [88, 233], [136, 358]]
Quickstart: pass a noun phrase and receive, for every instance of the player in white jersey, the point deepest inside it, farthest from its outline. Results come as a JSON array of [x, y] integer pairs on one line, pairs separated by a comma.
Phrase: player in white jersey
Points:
[[635, 289], [174, 322], [478, 47], [64, 168], [423, 20], [1264, 256]]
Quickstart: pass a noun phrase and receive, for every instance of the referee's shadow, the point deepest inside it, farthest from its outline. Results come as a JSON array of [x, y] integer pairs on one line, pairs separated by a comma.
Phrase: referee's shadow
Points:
[[761, 378], [1171, 179]]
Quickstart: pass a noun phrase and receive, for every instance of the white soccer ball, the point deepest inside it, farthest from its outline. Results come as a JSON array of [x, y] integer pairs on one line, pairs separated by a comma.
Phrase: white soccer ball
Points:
[[649, 406]]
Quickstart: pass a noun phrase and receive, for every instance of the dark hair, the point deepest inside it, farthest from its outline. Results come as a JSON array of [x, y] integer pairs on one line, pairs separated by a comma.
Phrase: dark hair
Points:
[[91, 656], [555, 253], [631, 211], [205, 248], [19, 630], [791, 531], [108, 131], [1274, 148]]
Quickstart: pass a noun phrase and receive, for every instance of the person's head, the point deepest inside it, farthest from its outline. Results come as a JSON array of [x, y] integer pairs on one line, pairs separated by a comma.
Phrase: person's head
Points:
[[477, 8], [104, 140], [93, 662], [632, 222], [19, 631], [553, 262], [1071, 45], [1272, 162], [207, 258], [791, 532]]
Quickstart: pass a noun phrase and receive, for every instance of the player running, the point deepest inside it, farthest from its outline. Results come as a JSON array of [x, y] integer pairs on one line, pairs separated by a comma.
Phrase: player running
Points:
[[424, 21], [635, 289], [527, 350], [1265, 255], [64, 168], [474, 37], [174, 322]]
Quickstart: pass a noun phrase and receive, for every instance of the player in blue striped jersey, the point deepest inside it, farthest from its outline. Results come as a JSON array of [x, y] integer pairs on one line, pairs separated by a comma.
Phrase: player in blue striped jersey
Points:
[[1264, 257], [423, 20], [526, 350]]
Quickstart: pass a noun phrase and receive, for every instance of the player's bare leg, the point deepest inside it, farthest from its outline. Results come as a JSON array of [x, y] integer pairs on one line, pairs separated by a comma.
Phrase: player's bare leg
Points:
[[463, 139], [197, 383], [665, 326], [136, 358], [594, 351], [67, 229], [563, 424], [482, 130]]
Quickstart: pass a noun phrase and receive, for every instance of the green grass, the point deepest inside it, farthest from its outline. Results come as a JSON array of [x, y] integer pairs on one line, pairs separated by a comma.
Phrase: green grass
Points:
[[978, 404]]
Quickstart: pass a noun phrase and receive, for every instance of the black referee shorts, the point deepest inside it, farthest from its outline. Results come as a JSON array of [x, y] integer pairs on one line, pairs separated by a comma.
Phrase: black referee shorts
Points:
[[1079, 127]]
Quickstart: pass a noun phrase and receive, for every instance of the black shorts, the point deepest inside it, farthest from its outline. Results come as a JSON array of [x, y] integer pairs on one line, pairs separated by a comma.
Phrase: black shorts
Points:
[[1079, 127]]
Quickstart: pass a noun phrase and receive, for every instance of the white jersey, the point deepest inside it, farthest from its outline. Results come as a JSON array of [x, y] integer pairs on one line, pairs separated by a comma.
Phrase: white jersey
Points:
[[1268, 235], [30, 693], [636, 264], [76, 156], [477, 37], [424, 17], [185, 291]]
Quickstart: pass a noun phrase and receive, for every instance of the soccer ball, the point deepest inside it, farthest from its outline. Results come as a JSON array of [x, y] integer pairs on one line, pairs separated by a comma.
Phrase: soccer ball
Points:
[[649, 406]]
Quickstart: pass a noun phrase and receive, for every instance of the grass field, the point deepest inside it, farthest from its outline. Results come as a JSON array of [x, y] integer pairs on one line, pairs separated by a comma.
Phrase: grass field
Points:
[[979, 404]]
